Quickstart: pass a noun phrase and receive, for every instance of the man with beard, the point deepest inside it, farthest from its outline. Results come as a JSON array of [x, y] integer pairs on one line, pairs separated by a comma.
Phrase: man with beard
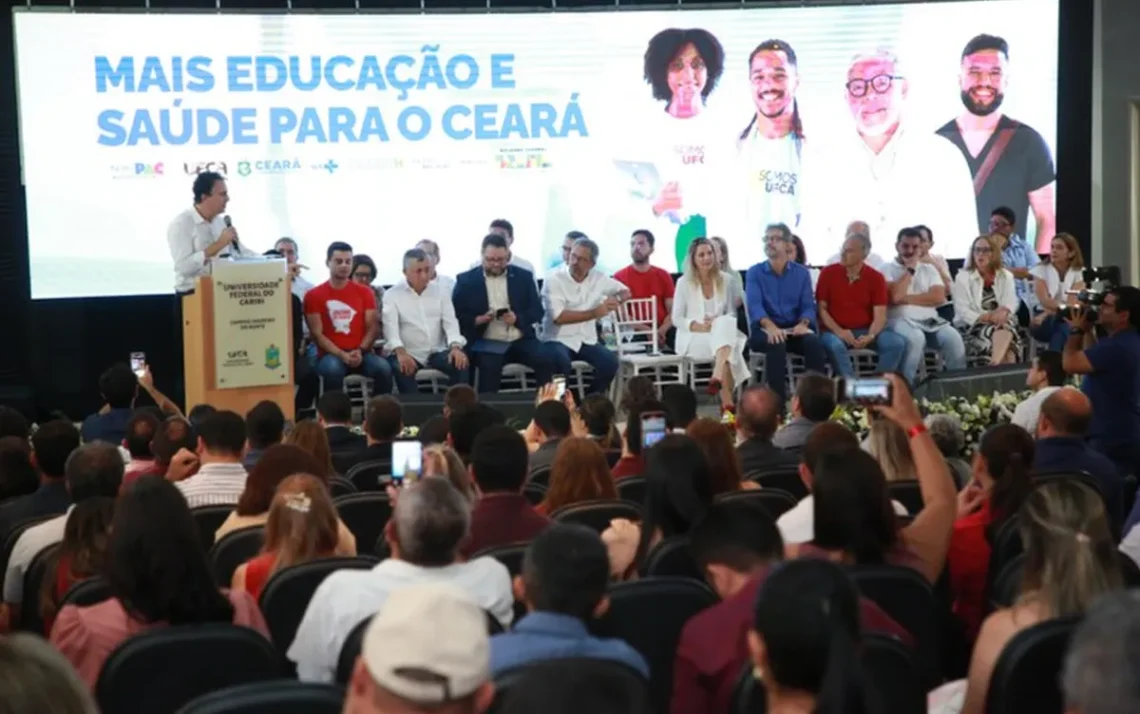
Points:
[[1010, 162], [648, 281]]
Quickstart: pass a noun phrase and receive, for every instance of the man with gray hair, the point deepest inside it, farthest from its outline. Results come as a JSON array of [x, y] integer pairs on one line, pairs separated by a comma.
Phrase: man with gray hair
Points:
[[432, 249], [575, 298], [1102, 666], [421, 328], [429, 522]]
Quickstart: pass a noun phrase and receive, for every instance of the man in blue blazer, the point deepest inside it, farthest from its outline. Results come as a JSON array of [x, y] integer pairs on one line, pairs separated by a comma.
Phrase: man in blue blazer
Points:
[[497, 305]]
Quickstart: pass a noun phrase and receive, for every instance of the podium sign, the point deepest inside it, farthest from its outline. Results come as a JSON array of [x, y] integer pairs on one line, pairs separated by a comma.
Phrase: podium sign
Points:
[[252, 346]]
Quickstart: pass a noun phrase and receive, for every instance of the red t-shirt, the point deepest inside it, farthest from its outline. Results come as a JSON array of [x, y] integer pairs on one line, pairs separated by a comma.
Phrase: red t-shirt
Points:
[[969, 562], [342, 312], [654, 283], [851, 304]]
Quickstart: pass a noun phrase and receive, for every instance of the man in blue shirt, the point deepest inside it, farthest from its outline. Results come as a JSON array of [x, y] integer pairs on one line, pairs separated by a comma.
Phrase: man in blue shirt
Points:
[[781, 310], [1111, 366], [119, 386], [565, 575], [1017, 256]]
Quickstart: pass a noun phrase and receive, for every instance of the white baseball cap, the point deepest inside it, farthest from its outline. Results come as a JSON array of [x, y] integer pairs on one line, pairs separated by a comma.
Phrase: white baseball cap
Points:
[[428, 644]]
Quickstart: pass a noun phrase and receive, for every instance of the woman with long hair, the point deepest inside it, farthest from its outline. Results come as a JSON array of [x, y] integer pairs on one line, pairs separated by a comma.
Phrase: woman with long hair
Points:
[[81, 555], [158, 574], [805, 640], [716, 442], [579, 473], [1053, 279], [1000, 480], [442, 461], [312, 437], [890, 446], [302, 526], [985, 303], [704, 312], [599, 415], [724, 262]]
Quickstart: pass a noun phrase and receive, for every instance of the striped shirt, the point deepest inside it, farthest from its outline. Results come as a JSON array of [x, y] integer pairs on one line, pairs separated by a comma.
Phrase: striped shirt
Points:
[[215, 484]]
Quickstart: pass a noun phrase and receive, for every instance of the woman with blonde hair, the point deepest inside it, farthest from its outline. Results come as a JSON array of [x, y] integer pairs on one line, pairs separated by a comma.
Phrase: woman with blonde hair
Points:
[[890, 446], [302, 526], [1053, 279], [704, 312], [312, 437], [985, 302], [579, 473], [442, 461]]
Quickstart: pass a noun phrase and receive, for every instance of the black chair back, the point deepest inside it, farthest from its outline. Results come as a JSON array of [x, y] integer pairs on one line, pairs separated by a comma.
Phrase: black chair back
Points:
[[160, 671], [370, 475], [511, 556], [209, 520], [277, 697], [365, 514], [91, 591], [672, 558], [234, 549], [1007, 583], [908, 598], [350, 650], [893, 675], [344, 459], [631, 488], [1027, 675], [649, 614], [41, 567], [287, 593], [597, 514], [534, 493], [623, 685], [540, 476], [908, 494], [784, 479], [14, 535], [774, 501], [340, 486]]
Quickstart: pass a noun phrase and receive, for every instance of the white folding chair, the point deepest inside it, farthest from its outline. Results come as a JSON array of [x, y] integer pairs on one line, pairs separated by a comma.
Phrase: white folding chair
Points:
[[515, 378], [358, 388], [432, 381], [635, 325]]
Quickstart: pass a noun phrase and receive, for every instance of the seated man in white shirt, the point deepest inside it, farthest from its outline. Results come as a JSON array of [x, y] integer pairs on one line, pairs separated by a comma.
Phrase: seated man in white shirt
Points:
[[914, 292], [421, 328], [429, 522], [199, 234], [575, 298], [1045, 377], [94, 470], [504, 228], [220, 477], [432, 249]]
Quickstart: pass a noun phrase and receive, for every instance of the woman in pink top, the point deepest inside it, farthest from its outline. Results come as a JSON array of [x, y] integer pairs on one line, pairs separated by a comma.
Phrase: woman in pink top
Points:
[[158, 575]]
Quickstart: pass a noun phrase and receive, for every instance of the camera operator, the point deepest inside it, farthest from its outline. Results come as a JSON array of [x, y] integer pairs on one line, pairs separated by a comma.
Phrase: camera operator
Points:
[[1111, 365]]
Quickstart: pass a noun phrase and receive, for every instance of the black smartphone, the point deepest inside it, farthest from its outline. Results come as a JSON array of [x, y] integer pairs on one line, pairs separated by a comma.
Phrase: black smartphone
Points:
[[864, 391]]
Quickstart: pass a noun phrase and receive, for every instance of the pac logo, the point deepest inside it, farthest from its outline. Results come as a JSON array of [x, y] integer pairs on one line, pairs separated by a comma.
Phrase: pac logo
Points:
[[195, 168], [272, 357], [149, 169]]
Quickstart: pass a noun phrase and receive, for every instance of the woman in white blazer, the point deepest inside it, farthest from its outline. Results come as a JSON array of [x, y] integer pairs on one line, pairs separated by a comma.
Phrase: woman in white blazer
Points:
[[985, 303], [704, 311]]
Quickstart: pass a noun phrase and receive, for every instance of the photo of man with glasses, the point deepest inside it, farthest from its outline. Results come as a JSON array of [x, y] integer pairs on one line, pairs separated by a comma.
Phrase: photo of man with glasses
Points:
[[1010, 162]]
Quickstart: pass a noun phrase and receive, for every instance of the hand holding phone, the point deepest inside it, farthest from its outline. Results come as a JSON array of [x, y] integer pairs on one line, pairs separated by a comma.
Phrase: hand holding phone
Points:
[[138, 363], [865, 391], [559, 386]]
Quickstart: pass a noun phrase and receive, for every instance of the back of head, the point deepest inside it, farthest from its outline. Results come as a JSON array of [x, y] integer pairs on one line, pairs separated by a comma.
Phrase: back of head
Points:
[[578, 473], [566, 571], [759, 414], [434, 430], [738, 535], [573, 688], [93, 470], [815, 395], [499, 460], [716, 441], [52, 443], [460, 398], [466, 426], [431, 519], [806, 634], [1102, 666], [119, 385], [1007, 451], [633, 436], [223, 433], [851, 508], [1070, 555], [265, 425], [680, 404], [678, 489], [1050, 362], [946, 431], [827, 438], [553, 419], [85, 536], [35, 677], [279, 462], [199, 412], [141, 429], [156, 565], [891, 446], [17, 474], [384, 419], [637, 390], [442, 461], [312, 437], [13, 423], [173, 435], [1068, 411], [598, 414], [302, 522], [335, 407]]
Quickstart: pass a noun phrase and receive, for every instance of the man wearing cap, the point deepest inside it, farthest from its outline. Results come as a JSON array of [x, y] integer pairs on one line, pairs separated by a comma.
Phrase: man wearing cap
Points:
[[426, 650], [429, 521]]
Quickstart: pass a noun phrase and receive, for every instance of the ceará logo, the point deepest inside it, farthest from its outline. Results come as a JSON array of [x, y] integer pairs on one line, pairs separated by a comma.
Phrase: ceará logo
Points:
[[149, 169]]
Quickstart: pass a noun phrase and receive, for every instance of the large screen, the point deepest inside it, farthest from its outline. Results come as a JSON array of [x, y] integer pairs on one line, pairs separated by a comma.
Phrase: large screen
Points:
[[382, 130]]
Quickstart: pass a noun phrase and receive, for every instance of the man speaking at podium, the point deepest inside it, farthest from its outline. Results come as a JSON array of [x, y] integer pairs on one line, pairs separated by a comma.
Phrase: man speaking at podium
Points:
[[200, 233]]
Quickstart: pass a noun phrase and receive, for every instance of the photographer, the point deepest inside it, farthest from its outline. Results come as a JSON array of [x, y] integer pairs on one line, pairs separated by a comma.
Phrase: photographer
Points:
[[1111, 365]]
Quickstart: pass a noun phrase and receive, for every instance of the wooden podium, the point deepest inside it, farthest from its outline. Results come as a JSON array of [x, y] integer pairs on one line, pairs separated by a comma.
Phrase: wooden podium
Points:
[[237, 337]]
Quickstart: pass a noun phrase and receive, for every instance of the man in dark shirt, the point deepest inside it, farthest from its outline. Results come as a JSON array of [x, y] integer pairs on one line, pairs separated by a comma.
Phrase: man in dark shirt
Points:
[[1061, 429], [334, 411], [812, 405], [118, 387], [52, 443], [382, 425], [265, 427], [502, 515], [464, 427], [757, 417], [1009, 160], [551, 426], [680, 404]]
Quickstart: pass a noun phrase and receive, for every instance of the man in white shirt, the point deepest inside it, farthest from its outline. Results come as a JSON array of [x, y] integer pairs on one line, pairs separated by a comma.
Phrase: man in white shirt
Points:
[[429, 522], [287, 247], [221, 477], [199, 234], [1045, 377], [575, 298], [421, 328], [504, 228], [914, 292], [432, 249]]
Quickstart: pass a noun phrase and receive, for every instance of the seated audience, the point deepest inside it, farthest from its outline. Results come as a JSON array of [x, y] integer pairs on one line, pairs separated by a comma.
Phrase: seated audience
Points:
[[264, 427], [756, 421], [459, 398], [637, 390], [13, 423], [220, 475], [812, 405], [1061, 430], [174, 436], [383, 422], [52, 444], [158, 574], [93, 470], [565, 576], [579, 473], [141, 428], [429, 521], [999, 484], [1053, 279], [680, 404], [434, 430], [599, 415], [939, 262], [720, 251], [465, 427], [1045, 377], [302, 525], [35, 677], [632, 461], [678, 491], [648, 281], [441, 460], [946, 430], [1100, 667], [798, 524], [334, 411], [551, 426], [890, 446], [572, 689], [502, 514], [198, 413], [715, 440], [82, 554], [312, 437], [985, 304], [18, 477]]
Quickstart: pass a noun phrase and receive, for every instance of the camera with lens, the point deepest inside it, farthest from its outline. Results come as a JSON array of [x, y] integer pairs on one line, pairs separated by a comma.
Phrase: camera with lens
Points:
[[1098, 282]]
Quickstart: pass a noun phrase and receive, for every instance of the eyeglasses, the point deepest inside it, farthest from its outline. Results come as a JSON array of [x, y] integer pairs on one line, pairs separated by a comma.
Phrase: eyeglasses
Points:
[[363, 275], [983, 249], [881, 83]]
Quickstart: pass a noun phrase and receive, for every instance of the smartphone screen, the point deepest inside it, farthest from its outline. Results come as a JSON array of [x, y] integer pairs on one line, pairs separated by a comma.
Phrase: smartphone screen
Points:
[[652, 429], [869, 390], [138, 362], [559, 386], [407, 461]]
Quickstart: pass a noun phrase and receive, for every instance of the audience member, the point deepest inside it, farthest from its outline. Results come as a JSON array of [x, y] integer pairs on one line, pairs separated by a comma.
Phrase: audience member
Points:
[[35, 677], [82, 554], [504, 228], [798, 524], [648, 281], [334, 411], [220, 477], [301, 526], [13, 423], [17, 472], [632, 461], [985, 303], [465, 427], [383, 422], [433, 431], [715, 440], [158, 574], [441, 460], [756, 422], [199, 412], [680, 404], [174, 435], [502, 514], [52, 444], [1061, 447], [578, 473], [1054, 279], [141, 428], [890, 446], [1100, 672], [118, 386], [265, 426], [459, 398], [1045, 377], [949, 437], [939, 262], [570, 688], [429, 522], [637, 390], [551, 427], [425, 651], [812, 405], [313, 438], [1017, 256], [598, 413], [446, 282]]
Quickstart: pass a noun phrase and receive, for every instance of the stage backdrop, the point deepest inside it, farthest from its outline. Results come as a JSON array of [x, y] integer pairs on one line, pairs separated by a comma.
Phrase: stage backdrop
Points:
[[382, 130]]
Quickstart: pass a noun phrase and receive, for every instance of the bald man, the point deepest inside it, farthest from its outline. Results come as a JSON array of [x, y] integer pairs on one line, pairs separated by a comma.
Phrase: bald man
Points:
[[1061, 446], [757, 418]]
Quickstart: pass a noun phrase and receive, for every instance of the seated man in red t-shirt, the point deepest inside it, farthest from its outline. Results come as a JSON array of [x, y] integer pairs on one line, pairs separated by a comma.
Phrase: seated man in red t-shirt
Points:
[[341, 315], [648, 281], [852, 300]]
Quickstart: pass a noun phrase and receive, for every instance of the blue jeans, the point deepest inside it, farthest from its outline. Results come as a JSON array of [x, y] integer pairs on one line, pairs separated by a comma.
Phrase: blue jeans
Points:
[[604, 362], [407, 384], [945, 339], [890, 346], [333, 371], [529, 351], [776, 357], [1053, 330]]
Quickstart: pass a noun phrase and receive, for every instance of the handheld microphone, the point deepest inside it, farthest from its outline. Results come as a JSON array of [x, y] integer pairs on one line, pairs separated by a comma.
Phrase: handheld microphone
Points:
[[234, 242]]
